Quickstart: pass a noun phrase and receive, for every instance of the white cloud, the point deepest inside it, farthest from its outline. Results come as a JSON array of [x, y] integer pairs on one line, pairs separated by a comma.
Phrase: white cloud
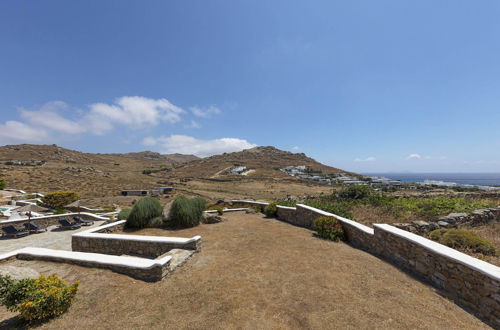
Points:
[[205, 113], [193, 124], [413, 156], [296, 148], [189, 145], [133, 111], [49, 118], [367, 159], [15, 131]]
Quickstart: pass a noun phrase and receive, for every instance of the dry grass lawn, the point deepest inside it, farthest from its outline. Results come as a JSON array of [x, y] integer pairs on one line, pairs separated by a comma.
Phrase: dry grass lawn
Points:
[[256, 273]]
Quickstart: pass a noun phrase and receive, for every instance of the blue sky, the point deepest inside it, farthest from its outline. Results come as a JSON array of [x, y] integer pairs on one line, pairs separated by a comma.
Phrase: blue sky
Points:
[[361, 85]]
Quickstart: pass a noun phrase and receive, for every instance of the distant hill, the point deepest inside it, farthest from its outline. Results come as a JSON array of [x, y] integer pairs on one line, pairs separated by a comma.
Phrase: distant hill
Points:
[[264, 162], [46, 168], [90, 174]]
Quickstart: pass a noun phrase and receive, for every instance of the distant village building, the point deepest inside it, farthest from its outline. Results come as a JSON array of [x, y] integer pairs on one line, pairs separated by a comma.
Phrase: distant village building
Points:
[[238, 170], [135, 192]]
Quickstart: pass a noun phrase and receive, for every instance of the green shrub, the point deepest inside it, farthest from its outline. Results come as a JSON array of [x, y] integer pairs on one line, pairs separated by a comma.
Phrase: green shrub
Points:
[[329, 228], [37, 299], [147, 171], [156, 222], [144, 210], [271, 210], [3, 184], [186, 212], [60, 211], [123, 214], [463, 240], [355, 192], [59, 199]]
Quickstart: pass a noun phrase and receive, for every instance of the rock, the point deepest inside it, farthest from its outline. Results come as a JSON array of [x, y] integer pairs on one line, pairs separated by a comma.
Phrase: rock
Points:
[[420, 223], [210, 218], [18, 273], [250, 211], [443, 224]]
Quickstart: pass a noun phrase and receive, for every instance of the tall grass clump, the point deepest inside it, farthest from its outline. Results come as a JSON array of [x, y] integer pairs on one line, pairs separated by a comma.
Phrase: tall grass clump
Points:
[[123, 214], [144, 211], [186, 212]]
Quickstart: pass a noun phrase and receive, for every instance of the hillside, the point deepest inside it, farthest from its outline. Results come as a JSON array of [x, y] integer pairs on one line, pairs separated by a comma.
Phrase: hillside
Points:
[[264, 163], [47, 168]]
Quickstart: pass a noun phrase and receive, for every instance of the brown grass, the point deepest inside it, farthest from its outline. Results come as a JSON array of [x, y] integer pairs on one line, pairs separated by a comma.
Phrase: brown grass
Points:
[[491, 232], [257, 273]]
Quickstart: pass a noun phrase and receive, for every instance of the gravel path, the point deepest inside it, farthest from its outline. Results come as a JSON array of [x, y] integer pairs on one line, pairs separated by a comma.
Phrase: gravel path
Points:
[[53, 238]]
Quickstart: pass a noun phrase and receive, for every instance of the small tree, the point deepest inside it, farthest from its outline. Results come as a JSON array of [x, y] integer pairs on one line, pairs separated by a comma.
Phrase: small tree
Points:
[[3, 184], [57, 200], [144, 211]]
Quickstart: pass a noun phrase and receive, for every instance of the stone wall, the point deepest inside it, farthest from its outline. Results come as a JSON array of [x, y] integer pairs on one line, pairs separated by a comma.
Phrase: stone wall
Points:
[[53, 220], [98, 240], [470, 282], [453, 220]]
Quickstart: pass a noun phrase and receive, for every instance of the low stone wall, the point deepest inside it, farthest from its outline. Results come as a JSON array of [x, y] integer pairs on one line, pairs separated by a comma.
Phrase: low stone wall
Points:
[[53, 220], [453, 220], [472, 283], [142, 269], [98, 240]]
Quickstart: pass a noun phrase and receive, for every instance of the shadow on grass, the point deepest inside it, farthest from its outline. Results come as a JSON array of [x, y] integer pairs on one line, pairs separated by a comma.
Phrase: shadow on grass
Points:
[[18, 323]]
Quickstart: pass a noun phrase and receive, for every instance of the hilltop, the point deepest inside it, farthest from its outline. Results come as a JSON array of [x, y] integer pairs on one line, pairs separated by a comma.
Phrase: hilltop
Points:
[[263, 163]]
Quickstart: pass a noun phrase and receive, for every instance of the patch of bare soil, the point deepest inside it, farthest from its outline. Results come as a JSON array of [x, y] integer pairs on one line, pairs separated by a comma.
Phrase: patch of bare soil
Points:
[[257, 273]]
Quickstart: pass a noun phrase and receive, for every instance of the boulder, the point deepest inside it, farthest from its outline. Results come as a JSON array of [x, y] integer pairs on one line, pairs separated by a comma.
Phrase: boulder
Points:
[[250, 211], [443, 224], [18, 273]]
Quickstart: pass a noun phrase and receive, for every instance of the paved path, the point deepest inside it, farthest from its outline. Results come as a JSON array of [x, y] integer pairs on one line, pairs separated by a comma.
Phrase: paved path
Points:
[[53, 238]]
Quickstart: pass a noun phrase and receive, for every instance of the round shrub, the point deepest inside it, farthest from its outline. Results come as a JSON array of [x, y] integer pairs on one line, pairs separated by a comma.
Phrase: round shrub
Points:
[[463, 240], [271, 210], [57, 200], [3, 184], [329, 228], [144, 210], [355, 192], [123, 214], [186, 212], [37, 299]]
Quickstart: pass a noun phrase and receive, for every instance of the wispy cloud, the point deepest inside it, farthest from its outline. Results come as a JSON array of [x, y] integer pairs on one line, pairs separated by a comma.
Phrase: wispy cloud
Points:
[[205, 112], [296, 148], [189, 145], [55, 120], [193, 124], [367, 159], [413, 156]]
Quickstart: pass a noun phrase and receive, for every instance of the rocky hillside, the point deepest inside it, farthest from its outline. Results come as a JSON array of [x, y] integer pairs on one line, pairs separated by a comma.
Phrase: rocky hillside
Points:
[[263, 162], [46, 168]]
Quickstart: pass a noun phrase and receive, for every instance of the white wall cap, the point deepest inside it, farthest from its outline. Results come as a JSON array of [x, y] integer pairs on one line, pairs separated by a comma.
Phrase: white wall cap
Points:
[[447, 252]]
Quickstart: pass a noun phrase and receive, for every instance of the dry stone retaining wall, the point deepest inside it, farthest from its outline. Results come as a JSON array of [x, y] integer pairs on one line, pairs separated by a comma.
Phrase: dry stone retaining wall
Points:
[[98, 240], [472, 283], [453, 220], [53, 220]]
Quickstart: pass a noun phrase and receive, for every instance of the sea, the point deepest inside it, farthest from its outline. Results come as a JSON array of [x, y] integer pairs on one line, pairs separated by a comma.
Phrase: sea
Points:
[[478, 179]]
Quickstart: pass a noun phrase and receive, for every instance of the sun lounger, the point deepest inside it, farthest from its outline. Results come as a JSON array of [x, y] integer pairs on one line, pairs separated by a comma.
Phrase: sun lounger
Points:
[[65, 224], [34, 228], [11, 231], [83, 222]]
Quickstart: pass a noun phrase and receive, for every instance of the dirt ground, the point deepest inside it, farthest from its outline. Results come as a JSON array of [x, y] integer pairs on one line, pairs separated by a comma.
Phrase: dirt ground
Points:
[[256, 273]]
